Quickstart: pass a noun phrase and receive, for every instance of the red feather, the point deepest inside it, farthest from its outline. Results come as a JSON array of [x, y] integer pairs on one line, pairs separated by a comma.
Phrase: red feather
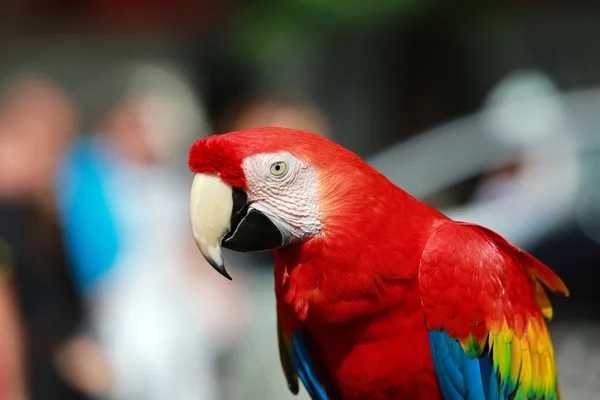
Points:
[[476, 285], [223, 154], [357, 287]]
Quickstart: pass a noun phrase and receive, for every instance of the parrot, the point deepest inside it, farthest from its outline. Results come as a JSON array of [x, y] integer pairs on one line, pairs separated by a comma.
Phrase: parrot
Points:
[[378, 294]]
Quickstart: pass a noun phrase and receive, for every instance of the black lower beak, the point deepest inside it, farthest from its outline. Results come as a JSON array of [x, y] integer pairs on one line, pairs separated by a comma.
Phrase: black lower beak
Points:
[[250, 229]]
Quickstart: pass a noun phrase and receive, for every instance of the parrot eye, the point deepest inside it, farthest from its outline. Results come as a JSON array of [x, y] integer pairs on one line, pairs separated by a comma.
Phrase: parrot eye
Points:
[[278, 168]]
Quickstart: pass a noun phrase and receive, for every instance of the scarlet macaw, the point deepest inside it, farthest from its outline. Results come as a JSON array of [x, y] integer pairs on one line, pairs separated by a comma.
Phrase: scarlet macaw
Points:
[[379, 296]]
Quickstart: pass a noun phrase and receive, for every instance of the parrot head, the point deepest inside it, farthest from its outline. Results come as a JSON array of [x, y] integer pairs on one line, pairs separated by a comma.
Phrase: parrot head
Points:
[[267, 188]]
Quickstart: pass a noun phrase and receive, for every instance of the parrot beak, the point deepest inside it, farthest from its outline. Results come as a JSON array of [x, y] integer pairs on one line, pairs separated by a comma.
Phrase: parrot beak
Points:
[[220, 216], [211, 203]]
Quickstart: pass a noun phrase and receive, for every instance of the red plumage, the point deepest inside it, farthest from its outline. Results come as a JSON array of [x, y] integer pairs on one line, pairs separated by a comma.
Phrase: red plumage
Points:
[[385, 269], [357, 292]]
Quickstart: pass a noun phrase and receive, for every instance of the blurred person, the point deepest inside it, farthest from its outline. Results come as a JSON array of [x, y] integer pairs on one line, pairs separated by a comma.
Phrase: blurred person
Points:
[[12, 381], [274, 111], [162, 319], [36, 124]]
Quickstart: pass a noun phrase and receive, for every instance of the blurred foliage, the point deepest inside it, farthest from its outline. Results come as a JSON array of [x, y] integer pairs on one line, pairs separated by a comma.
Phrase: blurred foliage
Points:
[[267, 29]]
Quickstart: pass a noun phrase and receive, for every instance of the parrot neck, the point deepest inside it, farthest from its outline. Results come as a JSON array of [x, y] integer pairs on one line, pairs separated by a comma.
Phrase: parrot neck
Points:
[[341, 274]]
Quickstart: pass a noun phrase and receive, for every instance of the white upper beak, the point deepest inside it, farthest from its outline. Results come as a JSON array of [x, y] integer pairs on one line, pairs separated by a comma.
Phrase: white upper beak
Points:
[[211, 205]]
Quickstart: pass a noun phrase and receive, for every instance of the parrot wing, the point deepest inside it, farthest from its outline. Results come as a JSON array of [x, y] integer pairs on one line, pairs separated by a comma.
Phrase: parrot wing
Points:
[[484, 308], [296, 361]]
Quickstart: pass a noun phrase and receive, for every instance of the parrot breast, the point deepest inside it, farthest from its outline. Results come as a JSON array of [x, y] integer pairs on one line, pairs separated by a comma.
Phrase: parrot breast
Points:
[[361, 306]]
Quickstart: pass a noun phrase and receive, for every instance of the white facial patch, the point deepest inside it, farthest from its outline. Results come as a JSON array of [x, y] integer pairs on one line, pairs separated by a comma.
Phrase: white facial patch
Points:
[[284, 189]]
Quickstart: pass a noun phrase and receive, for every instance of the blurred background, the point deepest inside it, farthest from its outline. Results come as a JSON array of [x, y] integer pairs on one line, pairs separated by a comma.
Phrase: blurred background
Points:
[[488, 110]]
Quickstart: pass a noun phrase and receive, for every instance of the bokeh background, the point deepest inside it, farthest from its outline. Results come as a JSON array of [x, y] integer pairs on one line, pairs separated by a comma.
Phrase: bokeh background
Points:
[[488, 110]]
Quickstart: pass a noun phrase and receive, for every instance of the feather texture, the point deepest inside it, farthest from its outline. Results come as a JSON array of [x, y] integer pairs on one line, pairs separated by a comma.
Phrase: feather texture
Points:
[[488, 338], [391, 299]]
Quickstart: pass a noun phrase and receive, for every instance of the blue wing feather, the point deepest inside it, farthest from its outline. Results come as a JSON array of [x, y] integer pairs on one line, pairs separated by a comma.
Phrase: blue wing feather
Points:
[[449, 378], [305, 368], [461, 377], [488, 378], [471, 370]]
